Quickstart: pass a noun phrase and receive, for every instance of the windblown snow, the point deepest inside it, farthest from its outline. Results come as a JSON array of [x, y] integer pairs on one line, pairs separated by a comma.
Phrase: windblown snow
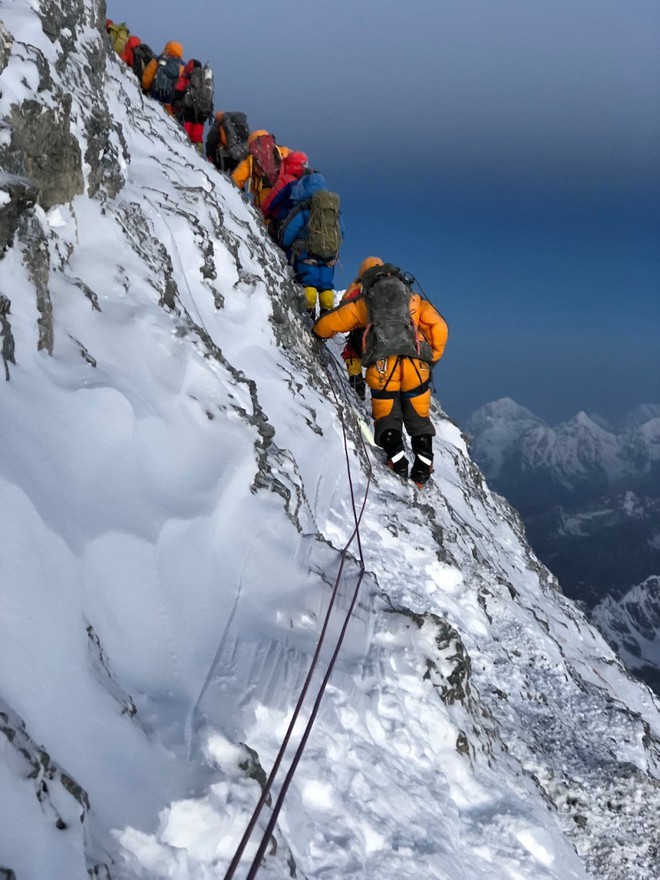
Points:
[[176, 497]]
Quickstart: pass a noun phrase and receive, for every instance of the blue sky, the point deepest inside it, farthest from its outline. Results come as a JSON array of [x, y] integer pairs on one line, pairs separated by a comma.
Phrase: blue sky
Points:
[[506, 152]]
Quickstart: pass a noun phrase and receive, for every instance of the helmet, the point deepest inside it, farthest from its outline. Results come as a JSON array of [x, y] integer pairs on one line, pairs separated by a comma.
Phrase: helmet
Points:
[[368, 263], [174, 49], [260, 132]]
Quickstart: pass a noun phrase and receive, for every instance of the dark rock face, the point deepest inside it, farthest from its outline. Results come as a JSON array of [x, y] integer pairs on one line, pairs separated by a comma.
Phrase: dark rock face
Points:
[[105, 174], [42, 148], [62, 800], [6, 42], [45, 160], [36, 257], [7, 347], [22, 194]]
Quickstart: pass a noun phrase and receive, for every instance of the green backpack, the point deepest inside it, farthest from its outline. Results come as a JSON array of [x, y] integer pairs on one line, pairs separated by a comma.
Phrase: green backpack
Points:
[[323, 237], [119, 34]]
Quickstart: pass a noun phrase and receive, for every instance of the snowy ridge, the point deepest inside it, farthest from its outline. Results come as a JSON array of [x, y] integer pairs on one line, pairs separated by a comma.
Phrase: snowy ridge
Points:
[[175, 497], [589, 494], [632, 626], [586, 448]]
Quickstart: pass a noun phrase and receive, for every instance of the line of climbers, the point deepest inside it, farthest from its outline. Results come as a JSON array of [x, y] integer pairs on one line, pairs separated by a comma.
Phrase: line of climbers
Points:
[[301, 215], [393, 331], [186, 91]]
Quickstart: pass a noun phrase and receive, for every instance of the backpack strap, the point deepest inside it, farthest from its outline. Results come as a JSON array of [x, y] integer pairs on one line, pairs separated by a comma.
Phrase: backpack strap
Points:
[[301, 206], [375, 273]]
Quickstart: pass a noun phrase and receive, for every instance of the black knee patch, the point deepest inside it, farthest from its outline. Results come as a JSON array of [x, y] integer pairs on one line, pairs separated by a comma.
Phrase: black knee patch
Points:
[[391, 441], [422, 468], [422, 444]]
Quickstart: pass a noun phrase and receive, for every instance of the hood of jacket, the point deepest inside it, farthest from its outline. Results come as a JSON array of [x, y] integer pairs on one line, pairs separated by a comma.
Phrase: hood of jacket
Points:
[[294, 164], [306, 187]]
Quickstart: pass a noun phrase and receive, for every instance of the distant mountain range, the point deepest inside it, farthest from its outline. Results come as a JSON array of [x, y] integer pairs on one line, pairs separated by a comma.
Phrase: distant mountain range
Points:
[[632, 626], [589, 494]]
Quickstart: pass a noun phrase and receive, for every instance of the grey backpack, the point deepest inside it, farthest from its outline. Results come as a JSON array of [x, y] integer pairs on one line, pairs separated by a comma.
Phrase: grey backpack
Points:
[[390, 329], [198, 95]]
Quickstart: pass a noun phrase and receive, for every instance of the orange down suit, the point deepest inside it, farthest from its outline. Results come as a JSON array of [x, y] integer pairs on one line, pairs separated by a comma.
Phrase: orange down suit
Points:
[[399, 385]]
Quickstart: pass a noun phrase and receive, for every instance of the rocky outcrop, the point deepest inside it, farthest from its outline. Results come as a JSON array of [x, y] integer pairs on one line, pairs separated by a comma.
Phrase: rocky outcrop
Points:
[[63, 802], [37, 259], [6, 335], [18, 195], [6, 42], [44, 149]]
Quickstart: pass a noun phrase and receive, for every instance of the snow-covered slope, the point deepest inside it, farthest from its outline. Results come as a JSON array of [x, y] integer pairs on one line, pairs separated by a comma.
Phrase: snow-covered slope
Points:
[[176, 497], [632, 626]]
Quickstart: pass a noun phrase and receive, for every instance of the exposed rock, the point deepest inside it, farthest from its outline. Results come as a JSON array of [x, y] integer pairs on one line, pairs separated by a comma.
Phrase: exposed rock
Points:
[[6, 42], [22, 195], [101, 155], [6, 334], [252, 768], [34, 763], [60, 20], [44, 149], [37, 259], [101, 666]]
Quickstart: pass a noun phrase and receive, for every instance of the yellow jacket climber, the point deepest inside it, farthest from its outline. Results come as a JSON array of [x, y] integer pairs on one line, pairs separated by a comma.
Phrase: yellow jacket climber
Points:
[[261, 167], [404, 337]]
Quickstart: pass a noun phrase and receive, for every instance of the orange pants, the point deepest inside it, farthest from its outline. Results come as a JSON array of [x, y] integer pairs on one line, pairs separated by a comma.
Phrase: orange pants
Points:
[[400, 395]]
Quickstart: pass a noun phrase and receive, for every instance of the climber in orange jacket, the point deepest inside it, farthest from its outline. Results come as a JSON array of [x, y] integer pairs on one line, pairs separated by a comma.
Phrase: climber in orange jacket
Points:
[[162, 74], [261, 167], [404, 337], [352, 353]]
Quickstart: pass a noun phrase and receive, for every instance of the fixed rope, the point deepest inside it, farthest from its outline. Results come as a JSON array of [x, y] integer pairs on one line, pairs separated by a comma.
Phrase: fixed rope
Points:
[[355, 535]]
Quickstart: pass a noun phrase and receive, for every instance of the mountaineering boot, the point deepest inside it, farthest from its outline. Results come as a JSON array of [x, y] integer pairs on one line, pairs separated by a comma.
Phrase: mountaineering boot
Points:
[[311, 294], [326, 301], [358, 385], [422, 468], [392, 442]]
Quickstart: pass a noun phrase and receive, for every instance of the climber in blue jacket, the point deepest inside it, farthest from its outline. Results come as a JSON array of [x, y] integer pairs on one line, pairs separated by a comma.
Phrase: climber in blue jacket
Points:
[[311, 236]]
